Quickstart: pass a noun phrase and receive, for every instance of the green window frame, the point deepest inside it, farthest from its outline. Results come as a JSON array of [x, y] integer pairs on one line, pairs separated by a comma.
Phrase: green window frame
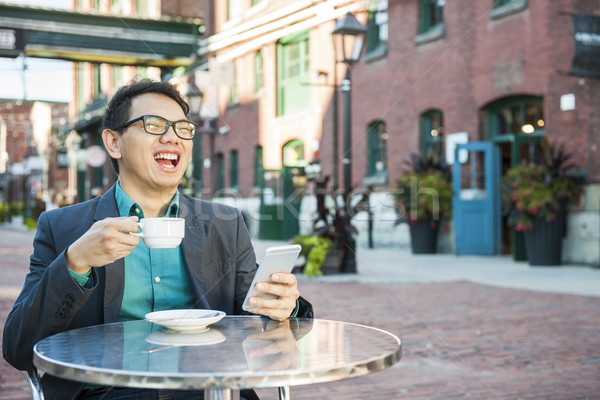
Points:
[[432, 132], [258, 71], [233, 170], [293, 154], [97, 80], [431, 14], [377, 137], [259, 168], [293, 94], [220, 173], [377, 25], [512, 115], [502, 3]]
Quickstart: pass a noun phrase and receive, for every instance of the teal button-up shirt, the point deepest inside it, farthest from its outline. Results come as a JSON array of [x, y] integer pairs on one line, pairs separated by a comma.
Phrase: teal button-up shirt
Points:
[[155, 279]]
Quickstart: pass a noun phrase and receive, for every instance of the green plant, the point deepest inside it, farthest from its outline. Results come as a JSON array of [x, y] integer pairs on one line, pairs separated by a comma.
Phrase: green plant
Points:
[[425, 191], [540, 187], [30, 223], [16, 208], [3, 211], [314, 249]]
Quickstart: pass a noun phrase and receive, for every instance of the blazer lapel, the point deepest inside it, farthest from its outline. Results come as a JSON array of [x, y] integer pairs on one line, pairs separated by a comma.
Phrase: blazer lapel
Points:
[[115, 272], [193, 247]]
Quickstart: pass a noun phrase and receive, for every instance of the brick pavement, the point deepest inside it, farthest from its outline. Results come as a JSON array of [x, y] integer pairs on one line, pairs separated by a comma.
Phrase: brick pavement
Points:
[[460, 339]]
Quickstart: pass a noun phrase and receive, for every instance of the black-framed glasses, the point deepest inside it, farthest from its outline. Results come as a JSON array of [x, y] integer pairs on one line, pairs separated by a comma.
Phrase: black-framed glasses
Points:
[[155, 125]]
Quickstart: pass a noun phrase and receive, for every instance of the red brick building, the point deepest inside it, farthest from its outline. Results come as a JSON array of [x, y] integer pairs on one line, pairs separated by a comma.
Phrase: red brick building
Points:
[[430, 69]]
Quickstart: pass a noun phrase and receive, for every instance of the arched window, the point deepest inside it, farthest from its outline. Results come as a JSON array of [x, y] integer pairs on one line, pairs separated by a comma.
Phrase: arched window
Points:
[[515, 115], [432, 132], [377, 151], [293, 154], [233, 169], [220, 173], [258, 166]]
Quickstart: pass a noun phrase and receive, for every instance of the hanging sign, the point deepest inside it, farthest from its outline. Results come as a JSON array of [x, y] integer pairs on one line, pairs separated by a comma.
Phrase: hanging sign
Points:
[[11, 42], [586, 33]]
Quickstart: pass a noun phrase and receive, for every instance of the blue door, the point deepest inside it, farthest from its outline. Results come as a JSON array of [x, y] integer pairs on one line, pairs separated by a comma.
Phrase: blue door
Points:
[[476, 214]]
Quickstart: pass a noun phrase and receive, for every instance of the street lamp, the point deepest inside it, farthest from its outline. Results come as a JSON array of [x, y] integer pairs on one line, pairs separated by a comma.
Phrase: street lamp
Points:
[[348, 39], [194, 99]]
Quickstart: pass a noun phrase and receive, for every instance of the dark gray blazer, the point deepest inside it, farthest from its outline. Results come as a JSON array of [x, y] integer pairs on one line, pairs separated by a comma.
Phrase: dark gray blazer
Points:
[[218, 256]]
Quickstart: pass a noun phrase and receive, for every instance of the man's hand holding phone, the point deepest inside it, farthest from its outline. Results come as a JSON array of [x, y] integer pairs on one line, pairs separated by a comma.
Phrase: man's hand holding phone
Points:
[[274, 290]]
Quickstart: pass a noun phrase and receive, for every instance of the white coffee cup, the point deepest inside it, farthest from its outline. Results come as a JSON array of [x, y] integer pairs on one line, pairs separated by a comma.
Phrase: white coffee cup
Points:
[[161, 233]]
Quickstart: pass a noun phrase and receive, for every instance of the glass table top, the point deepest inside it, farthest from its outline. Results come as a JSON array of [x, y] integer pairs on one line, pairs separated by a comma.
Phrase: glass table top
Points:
[[236, 352]]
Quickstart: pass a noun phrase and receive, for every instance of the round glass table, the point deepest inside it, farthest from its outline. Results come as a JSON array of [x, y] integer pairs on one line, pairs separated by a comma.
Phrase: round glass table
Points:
[[235, 353]]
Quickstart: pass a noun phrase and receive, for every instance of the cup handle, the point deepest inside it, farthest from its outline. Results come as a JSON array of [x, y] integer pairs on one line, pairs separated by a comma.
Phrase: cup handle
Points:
[[137, 234]]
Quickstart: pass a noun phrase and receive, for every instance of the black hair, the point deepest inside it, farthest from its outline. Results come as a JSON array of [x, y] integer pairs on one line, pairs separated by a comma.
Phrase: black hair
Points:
[[119, 108]]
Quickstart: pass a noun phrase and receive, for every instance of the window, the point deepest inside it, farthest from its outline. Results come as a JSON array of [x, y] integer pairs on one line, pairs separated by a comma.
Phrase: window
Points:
[[293, 154], [377, 26], [431, 15], [502, 3], [258, 71], [233, 170], [141, 7], [97, 80], [377, 150], [80, 86], [516, 115], [293, 94], [233, 95], [258, 167], [504, 8], [118, 78], [432, 132], [234, 99], [116, 7], [255, 2], [234, 9], [220, 174]]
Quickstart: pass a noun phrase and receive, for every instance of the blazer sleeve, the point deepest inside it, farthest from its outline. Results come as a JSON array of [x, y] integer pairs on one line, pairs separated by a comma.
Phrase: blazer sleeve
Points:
[[245, 264], [47, 303]]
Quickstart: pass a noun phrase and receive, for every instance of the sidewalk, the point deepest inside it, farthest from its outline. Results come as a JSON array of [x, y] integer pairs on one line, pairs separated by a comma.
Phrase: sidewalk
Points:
[[399, 265], [471, 327]]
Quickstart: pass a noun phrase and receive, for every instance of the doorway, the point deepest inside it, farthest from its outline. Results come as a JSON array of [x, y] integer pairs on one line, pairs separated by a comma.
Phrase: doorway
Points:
[[516, 125]]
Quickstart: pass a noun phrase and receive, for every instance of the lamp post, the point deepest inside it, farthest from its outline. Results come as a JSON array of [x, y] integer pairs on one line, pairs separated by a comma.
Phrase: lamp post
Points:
[[194, 99], [348, 39]]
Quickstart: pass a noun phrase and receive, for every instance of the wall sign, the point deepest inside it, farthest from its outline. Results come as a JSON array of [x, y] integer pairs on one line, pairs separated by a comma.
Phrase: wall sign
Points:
[[586, 33]]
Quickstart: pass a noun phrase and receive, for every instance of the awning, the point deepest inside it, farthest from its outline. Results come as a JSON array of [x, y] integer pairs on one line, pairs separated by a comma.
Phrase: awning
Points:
[[94, 37]]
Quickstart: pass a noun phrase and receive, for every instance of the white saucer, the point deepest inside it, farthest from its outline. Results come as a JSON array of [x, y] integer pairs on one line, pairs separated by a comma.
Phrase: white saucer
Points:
[[185, 320], [169, 338]]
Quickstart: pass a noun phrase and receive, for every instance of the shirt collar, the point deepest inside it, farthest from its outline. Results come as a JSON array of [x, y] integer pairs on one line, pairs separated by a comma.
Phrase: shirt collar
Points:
[[129, 208]]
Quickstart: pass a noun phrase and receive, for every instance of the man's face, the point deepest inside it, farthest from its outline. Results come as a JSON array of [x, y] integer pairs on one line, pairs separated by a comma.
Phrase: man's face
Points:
[[153, 162]]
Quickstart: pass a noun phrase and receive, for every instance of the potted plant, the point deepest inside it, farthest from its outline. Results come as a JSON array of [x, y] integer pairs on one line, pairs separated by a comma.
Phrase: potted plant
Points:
[[536, 196], [315, 250], [423, 197]]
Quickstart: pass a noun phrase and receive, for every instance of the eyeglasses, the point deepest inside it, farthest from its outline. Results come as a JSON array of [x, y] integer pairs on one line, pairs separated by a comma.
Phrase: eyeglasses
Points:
[[155, 125]]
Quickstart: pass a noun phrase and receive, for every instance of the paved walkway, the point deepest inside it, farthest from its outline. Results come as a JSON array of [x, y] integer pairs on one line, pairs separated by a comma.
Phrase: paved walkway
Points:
[[472, 327], [398, 265]]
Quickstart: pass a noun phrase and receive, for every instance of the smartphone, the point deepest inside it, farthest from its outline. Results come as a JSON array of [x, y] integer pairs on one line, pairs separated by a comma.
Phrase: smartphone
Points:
[[276, 259]]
